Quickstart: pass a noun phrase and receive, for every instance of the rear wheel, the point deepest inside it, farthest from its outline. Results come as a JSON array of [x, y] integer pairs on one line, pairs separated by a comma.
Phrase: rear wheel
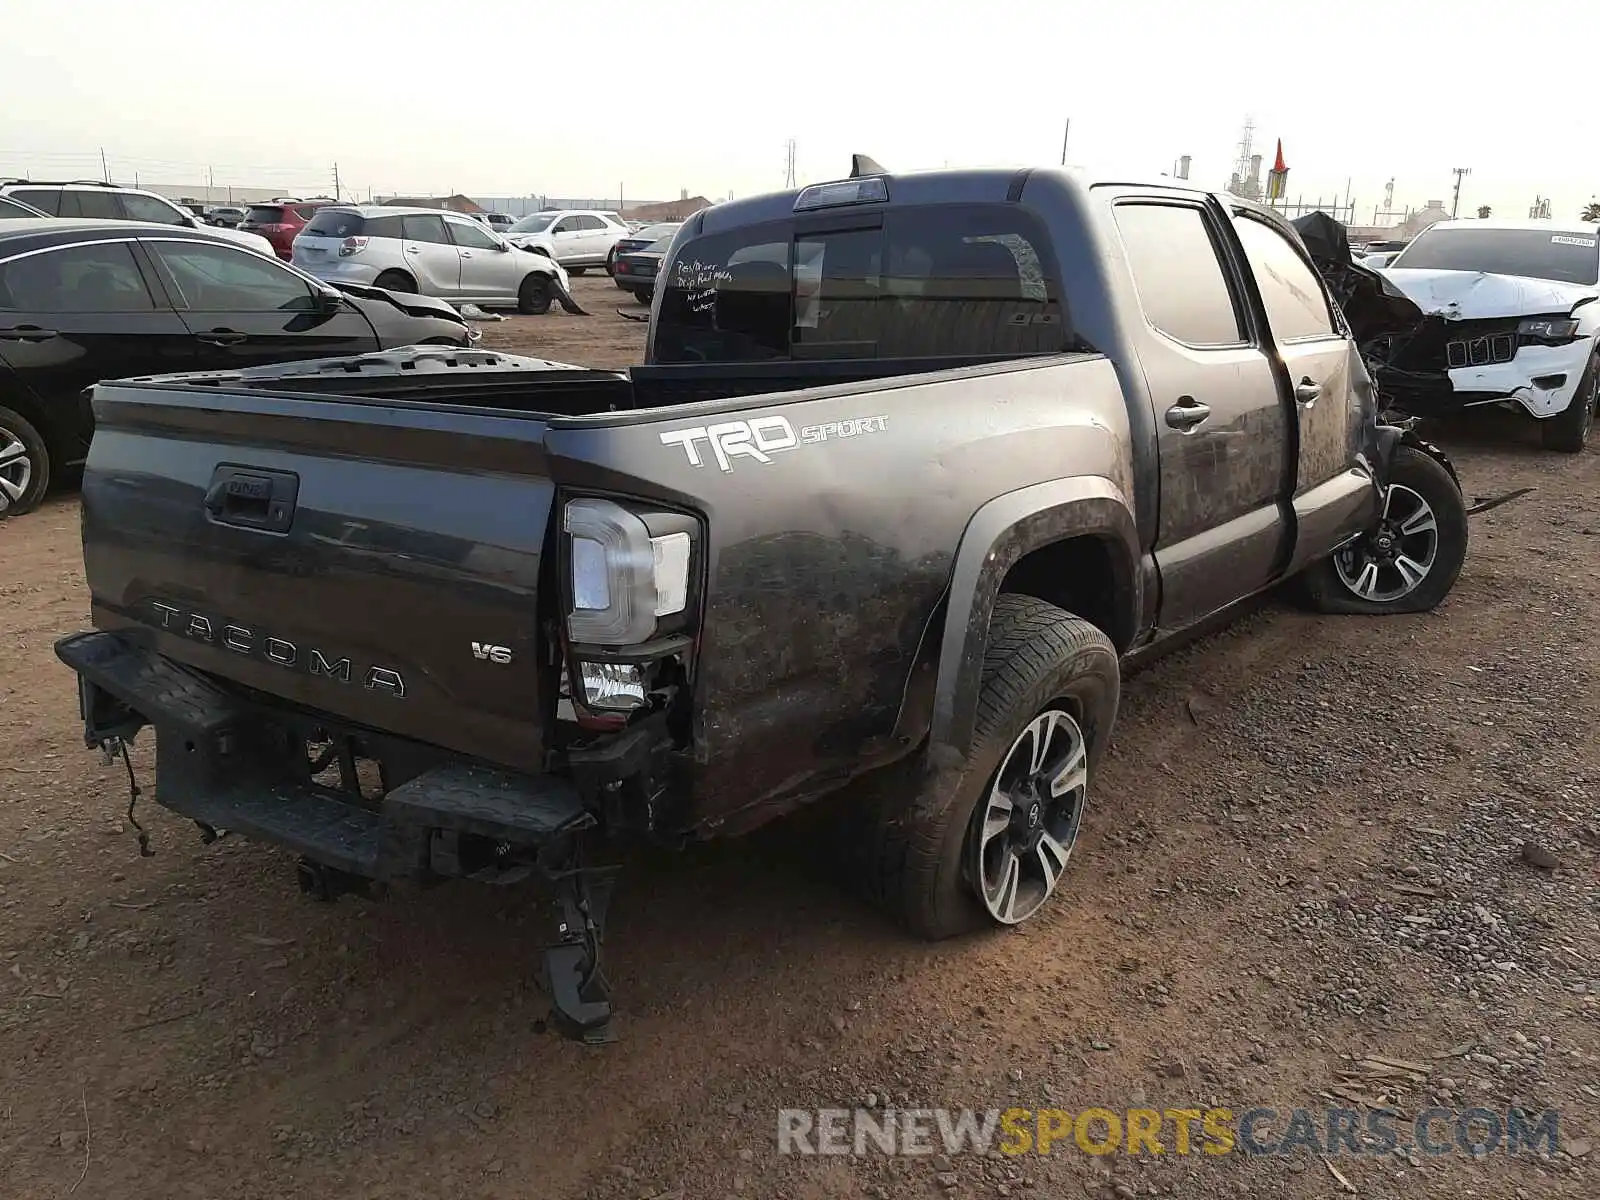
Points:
[[994, 852], [24, 465], [611, 261], [1410, 559], [395, 281], [534, 296], [1568, 432], [643, 296]]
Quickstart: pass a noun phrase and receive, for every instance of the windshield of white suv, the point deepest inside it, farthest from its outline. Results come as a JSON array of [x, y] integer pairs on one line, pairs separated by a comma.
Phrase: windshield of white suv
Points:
[[536, 223], [1531, 253]]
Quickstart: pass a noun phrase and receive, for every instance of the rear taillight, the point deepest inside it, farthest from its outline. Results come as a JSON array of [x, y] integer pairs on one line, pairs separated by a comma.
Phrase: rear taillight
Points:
[[275, 227], [352, 245]]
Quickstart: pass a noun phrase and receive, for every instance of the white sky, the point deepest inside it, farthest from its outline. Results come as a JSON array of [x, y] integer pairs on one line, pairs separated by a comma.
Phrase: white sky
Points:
[[575, 99]]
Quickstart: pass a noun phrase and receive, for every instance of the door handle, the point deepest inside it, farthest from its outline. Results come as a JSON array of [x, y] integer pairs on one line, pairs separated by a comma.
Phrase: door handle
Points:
[[413, 250], [466, 254], [1187, 413], [27, 333], [1307, 391], [222, 337]]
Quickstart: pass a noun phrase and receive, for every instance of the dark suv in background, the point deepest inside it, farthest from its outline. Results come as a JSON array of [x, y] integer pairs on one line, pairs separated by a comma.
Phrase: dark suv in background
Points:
[[281, 221]]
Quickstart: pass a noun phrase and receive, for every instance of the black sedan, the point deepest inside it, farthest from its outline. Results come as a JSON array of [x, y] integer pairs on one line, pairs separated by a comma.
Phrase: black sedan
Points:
[[640, 239], [82, 301], [636, 270]]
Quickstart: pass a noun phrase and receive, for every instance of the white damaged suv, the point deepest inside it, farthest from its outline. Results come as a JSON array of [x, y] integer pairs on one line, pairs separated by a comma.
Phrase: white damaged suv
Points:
[[1519, 303]]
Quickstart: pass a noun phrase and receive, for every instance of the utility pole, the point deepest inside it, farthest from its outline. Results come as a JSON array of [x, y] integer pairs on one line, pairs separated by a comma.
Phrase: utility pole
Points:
[[105, 171], [788, 170], [336, 195], [1065, 133], [1455, 203]]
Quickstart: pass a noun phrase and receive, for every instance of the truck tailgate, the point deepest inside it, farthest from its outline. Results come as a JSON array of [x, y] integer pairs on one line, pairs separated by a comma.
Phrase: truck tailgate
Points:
[[374, 560]]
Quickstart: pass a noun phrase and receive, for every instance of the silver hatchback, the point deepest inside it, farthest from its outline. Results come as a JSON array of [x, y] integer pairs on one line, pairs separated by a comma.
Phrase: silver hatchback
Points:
[[427, 251]]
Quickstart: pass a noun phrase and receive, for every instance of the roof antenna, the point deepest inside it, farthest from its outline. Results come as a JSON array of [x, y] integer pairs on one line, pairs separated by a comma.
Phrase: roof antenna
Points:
[[861, 164]]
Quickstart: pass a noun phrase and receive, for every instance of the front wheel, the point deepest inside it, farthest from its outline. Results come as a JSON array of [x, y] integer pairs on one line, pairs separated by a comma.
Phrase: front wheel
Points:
[[534, 296], [1410, 559], [24, 465], [1568, 431], [994, 851]]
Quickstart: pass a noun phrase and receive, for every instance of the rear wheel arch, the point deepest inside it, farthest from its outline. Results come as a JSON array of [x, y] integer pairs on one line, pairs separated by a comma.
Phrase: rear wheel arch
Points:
[[408, 282], [1070, 542]]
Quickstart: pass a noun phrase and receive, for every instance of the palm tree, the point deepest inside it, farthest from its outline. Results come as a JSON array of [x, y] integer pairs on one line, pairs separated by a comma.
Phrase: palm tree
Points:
[[1483, 212], [1591, 211]]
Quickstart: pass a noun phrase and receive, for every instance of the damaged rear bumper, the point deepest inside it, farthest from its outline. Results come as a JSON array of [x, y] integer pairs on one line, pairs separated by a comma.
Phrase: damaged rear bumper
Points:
[[229, 762]]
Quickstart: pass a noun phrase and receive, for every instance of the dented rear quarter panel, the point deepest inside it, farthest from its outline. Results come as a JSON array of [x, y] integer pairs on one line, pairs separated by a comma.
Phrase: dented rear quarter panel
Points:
[[826, 565]]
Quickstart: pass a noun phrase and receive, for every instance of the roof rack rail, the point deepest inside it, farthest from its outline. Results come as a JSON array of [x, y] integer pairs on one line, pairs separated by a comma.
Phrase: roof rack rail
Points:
[[62, 182]]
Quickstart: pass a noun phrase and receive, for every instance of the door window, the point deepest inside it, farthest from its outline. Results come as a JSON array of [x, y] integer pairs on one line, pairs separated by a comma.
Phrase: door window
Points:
[[567, 225], [97, 278], [149, 208], [222, 279], [469, 235], [425, 229], [1290, 290], [99, 205], [1181, 283]]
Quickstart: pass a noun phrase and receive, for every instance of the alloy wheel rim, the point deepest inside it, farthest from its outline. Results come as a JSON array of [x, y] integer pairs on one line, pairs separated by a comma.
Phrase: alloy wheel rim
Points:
[[16, 469], [1028, 824], [1391, 561]]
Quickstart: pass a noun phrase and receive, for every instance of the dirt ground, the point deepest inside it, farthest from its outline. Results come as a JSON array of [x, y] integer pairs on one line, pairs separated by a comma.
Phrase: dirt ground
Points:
[[1306, 849]]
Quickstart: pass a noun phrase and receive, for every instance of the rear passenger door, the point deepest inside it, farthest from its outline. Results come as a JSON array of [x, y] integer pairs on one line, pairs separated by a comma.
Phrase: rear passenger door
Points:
[[1223, 428], [244, 309], [431, 256], [73, 315], [1333, 498]]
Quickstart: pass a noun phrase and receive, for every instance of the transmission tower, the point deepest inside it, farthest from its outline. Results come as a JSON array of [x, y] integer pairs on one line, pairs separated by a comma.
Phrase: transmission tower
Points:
[[788, 171], [1241, 165]]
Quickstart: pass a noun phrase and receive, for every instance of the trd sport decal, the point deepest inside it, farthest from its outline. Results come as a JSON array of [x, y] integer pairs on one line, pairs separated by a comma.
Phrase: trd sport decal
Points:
[[762, 437]]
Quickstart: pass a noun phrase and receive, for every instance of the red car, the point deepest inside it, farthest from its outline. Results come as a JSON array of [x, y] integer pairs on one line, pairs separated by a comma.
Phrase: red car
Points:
[[281, 221]]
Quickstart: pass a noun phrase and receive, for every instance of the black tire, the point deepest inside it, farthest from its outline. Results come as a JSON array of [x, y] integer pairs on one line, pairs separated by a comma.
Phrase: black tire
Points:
[[909, 847], [611, 262], [396, 281], [24, 465], [1325, 589], [535, 295], [644, 295], [1568, 431]]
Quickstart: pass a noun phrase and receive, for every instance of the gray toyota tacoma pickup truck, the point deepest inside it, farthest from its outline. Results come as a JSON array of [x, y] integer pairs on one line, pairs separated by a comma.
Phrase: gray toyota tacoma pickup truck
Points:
[[915, 467]]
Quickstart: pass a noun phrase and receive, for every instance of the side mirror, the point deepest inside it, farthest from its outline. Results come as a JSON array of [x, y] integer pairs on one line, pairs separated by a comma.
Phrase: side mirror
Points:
[[502, 246], [329, 300]]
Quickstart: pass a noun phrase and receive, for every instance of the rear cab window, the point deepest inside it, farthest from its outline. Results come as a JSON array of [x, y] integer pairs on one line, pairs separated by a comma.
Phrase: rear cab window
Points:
[[264, 214], [924, 281]]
